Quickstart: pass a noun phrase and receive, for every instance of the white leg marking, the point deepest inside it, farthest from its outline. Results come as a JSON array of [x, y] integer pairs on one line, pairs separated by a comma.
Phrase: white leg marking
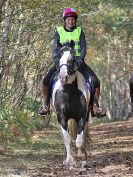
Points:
[[81, 153], [67, 142], [80, 140]]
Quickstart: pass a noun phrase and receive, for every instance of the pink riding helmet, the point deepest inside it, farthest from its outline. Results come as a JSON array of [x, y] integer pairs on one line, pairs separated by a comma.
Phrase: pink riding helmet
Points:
[[70, 12]]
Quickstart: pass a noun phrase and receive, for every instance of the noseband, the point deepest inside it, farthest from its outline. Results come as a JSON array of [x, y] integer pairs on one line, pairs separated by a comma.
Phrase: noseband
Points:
[[70, 68]]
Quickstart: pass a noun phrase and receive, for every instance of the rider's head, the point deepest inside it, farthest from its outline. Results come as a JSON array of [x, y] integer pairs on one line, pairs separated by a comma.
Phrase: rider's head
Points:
[[70, 17]]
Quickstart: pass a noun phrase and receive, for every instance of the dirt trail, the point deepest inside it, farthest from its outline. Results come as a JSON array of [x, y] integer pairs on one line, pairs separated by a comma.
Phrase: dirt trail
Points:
[[109, 155]]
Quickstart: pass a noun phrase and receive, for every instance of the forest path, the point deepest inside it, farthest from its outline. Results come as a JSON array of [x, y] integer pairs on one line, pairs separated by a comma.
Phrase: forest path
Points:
[[109, 155]]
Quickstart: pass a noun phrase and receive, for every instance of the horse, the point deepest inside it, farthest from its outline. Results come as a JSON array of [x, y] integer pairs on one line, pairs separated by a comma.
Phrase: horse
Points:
[[70, 100]]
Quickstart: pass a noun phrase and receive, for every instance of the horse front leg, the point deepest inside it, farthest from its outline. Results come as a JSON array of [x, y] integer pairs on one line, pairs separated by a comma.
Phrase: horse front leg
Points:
[[80, 143], [67, 149]]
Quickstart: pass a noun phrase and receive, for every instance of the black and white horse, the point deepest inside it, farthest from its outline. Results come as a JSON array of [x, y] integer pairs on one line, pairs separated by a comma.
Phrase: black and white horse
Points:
[[70, 99]]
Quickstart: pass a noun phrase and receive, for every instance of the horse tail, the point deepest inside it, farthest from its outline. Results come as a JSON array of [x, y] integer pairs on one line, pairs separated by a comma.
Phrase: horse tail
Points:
[[88, 139], [72, 126]]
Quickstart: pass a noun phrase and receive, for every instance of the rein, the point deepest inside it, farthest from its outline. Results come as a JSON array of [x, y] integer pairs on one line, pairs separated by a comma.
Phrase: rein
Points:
[[67, 48]]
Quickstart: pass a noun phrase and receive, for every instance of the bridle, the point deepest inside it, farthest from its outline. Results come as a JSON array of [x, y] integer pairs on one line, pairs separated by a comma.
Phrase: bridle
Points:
[[70, 67]]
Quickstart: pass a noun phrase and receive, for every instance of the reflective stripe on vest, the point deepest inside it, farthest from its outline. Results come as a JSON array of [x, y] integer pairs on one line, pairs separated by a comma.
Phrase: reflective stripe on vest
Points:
[[68, 36]]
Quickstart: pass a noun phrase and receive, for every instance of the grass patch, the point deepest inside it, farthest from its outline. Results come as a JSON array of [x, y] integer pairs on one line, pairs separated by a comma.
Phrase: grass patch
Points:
[[45, 145]]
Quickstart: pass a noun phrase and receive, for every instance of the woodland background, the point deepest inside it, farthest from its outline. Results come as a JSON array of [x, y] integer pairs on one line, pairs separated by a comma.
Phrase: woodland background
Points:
[[26, 35]]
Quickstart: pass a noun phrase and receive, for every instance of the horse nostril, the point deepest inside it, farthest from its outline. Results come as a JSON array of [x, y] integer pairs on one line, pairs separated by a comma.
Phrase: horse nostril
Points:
[[59, 76], [67, 77], [63, 78]]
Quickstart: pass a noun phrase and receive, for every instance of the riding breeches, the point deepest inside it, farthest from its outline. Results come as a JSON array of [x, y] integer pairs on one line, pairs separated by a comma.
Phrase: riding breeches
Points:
[[47, 81]]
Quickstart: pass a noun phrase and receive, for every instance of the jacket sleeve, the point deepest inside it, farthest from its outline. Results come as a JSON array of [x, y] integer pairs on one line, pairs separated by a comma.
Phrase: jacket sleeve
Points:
[[55, 46], [82, 46]]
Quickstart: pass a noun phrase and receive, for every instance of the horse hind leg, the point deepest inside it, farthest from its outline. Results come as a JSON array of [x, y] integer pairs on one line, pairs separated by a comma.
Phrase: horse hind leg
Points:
[[82, 151], [67, 149], [87, 137], [83, 157]]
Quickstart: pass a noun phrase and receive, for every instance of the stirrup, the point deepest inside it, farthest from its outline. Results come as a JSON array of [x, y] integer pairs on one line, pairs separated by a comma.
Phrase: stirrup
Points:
[[42, 112]]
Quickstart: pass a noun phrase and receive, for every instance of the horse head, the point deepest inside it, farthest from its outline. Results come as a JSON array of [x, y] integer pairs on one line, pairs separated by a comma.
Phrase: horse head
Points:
[[66, 63]]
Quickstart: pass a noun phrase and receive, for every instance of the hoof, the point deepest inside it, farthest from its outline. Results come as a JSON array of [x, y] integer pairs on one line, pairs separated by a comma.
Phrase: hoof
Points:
[[84, 164], [69, 161]]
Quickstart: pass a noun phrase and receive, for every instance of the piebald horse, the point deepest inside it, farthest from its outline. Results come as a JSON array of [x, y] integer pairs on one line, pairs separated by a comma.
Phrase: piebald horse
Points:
[[70, 100]]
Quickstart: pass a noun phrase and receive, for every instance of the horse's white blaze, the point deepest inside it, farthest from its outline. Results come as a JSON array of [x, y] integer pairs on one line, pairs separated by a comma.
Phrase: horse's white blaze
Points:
[[63, 71], [80, 140], [63, 61], [67, 142], [67, 55]]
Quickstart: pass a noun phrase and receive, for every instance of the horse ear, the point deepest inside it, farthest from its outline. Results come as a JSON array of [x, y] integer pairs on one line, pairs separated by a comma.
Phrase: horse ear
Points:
[[72, 43]]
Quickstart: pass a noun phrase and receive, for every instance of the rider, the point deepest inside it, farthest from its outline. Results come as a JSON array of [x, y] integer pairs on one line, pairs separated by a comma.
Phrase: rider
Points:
[[64, 34], [131, 91]]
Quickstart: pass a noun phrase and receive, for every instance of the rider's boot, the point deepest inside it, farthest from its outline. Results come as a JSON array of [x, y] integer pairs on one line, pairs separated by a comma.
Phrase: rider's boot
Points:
[[45, 109], [97, 111]]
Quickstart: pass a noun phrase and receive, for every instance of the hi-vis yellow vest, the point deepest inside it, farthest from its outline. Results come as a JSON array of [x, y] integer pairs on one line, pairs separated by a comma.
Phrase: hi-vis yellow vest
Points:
[[68, 36]]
